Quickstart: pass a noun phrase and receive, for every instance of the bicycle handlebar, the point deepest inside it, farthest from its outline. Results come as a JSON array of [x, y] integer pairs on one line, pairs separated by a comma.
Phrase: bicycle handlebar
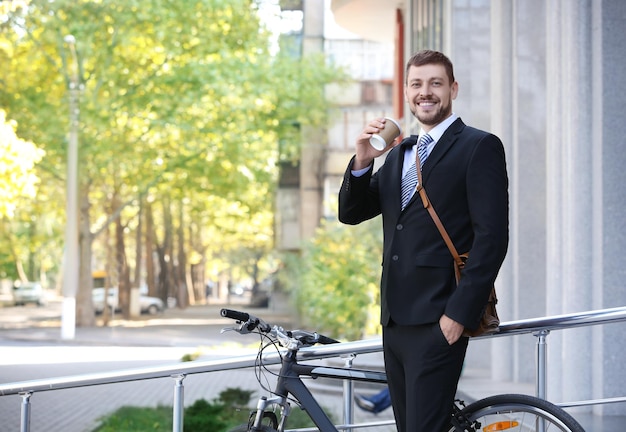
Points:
[[325, 340], [236, 315], [250, 323]]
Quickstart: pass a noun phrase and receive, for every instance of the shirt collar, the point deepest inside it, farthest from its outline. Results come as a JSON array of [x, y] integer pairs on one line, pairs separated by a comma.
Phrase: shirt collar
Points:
[[435, 133]]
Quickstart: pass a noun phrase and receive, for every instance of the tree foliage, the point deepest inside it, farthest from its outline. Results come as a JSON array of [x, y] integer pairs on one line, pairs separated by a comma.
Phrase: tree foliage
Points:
[[18, 190], [181, 108], [17, 162], [339, 289]]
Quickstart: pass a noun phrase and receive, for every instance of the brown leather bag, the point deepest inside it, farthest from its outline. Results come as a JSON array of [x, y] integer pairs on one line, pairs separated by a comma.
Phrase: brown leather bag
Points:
[[489, 321]]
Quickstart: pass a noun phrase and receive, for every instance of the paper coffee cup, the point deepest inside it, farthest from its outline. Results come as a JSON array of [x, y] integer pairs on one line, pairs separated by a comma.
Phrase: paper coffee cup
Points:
[[386, 136]]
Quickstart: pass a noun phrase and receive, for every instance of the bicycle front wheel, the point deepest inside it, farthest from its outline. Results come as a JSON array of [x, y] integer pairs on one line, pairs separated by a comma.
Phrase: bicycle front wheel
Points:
[[516, 413], [246, 428]]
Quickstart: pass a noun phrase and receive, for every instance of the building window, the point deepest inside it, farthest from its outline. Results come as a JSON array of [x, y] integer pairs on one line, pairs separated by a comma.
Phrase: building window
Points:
[[427, 25]]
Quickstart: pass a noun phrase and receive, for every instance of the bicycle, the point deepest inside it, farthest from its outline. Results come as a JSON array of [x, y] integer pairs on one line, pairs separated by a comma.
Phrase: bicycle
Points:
[[506, 412]]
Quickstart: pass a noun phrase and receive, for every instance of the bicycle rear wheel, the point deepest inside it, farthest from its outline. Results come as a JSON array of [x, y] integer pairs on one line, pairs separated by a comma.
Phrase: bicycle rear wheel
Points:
[[517, 413]]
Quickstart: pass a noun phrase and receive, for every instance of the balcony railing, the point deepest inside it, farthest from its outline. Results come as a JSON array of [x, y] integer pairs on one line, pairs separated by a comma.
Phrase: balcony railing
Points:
[[539, 327]]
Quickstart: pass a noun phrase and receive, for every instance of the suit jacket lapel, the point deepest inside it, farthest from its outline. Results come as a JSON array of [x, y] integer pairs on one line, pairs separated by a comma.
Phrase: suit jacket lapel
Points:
[[441, 148]]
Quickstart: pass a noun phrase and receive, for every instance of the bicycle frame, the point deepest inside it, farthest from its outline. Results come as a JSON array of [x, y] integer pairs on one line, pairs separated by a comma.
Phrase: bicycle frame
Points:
[[289, 383], [516, 408]]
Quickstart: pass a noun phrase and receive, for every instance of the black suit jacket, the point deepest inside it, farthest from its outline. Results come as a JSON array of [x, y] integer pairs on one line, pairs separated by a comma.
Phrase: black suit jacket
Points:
[[466, 180]]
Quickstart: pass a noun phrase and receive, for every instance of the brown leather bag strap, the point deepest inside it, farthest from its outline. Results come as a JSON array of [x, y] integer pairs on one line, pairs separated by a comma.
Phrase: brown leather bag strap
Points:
[[433, 214]]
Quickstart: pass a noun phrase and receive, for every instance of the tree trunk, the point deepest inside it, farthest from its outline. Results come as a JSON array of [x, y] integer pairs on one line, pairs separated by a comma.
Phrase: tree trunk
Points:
[[167, 282], [181, 270], [197, 280], [255, 275], [122, 269], [85, 315], [197, 270], [150, 249], [109, 267], [33, 270], [136, 282]]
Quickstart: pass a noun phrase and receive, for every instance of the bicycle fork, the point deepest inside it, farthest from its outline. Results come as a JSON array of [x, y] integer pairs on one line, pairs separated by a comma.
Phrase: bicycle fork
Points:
[[262, 413], [289, 383]]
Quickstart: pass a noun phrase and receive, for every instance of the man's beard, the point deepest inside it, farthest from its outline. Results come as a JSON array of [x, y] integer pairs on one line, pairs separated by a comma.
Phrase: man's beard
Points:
[[433, 118]]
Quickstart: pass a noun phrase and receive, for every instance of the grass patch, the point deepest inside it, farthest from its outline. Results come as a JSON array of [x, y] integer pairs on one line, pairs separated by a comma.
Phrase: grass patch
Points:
[[220, 415], [135, 419]]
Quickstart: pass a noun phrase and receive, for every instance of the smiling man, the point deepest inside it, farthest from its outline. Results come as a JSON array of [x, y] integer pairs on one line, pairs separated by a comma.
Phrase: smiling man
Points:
[[423, 311]]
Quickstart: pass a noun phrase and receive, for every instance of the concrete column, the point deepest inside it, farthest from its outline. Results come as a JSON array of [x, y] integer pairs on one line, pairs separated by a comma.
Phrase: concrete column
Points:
[[598, 332], [609, 130], [312, 155], [554, 186], [502, 126], [528, 174], [577, 193], [570, 192]]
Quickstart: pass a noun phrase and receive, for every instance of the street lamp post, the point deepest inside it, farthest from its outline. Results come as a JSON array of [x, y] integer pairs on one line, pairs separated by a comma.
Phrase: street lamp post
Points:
[[70, 279]]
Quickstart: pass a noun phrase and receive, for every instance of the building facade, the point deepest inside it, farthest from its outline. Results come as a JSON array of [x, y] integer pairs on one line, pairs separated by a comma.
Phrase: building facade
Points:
[[546, 76], [307, 191]]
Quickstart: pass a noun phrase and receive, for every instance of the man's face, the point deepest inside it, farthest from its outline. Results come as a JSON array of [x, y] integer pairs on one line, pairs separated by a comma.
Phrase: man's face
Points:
[[429, 94]]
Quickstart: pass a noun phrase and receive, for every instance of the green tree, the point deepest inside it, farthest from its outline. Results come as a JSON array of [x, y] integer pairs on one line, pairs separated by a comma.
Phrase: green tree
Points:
[[339, 284], [18, 187], [17, 161], [180, 105]]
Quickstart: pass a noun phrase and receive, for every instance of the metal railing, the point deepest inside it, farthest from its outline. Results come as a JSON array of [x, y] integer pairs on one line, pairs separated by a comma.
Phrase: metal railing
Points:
[[539, 327]]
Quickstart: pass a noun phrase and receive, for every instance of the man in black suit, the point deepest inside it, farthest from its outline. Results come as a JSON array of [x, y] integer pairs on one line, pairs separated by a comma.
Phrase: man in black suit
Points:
[[423, 312]]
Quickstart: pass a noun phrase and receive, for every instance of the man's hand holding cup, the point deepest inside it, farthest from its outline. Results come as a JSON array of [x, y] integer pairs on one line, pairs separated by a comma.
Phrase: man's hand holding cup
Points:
[[378, 137]]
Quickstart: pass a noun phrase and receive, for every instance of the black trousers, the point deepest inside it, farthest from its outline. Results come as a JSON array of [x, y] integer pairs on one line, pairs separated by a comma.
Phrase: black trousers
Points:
[[423, 371]]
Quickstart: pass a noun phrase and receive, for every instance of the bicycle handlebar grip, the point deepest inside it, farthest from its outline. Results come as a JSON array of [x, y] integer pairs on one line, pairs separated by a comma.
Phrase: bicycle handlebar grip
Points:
[[233, 314]]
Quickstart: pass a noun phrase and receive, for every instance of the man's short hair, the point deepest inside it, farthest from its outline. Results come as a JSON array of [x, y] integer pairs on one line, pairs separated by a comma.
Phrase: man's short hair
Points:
[[425, 57]]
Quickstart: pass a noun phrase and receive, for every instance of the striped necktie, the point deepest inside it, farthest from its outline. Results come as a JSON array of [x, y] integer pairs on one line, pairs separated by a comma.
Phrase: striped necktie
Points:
[[409, 181]]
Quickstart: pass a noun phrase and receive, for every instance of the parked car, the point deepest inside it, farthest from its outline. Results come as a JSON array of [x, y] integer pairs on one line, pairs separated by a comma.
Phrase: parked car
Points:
[[150, 305], [29, 292], [147, 304]]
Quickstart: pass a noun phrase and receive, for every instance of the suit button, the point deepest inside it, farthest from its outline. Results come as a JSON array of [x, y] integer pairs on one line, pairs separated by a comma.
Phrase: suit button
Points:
[[399, 227], [395, 257]]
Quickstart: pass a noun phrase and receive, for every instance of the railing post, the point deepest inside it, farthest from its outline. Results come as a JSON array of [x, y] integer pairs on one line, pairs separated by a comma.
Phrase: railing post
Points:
[[179, 390], [25, 412], [542, 363], [348, 394]]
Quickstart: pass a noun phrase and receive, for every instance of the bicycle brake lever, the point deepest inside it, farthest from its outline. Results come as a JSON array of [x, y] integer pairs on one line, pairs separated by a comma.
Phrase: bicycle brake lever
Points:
[[243, 328]]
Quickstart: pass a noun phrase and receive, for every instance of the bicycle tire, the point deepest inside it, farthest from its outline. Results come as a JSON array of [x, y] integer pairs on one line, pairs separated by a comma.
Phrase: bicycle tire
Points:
[[245, 428], [504, 410]]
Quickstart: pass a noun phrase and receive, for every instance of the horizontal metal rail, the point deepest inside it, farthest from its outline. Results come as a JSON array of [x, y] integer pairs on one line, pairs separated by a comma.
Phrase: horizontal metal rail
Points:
[[510, 328], [560, 322], [196, 367], [537, 326]]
